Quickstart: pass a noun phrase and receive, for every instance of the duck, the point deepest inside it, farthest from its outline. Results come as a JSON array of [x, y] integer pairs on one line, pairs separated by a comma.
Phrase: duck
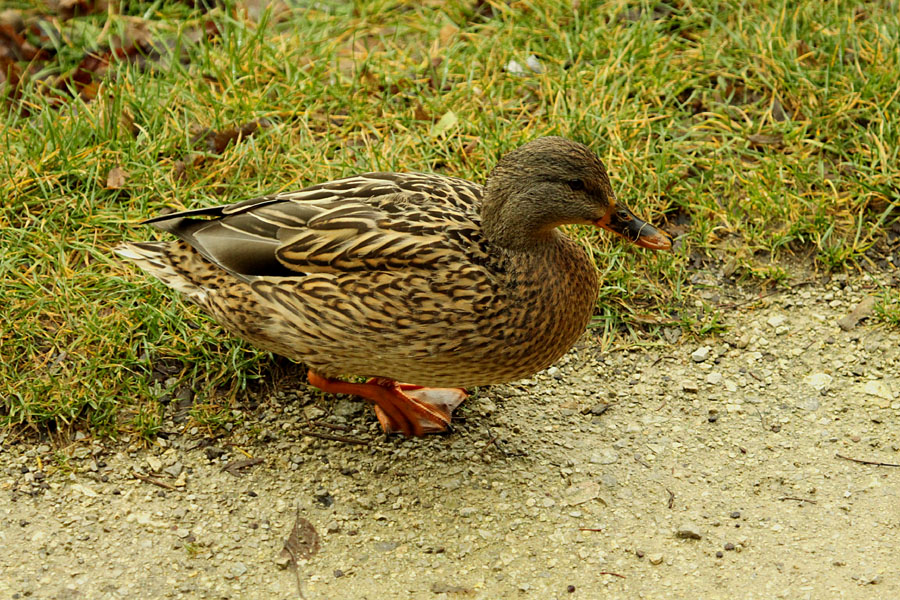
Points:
[[424, 285]]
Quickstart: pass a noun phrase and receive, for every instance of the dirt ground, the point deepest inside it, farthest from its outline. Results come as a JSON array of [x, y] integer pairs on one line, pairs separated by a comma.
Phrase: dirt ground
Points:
[[683, 469]]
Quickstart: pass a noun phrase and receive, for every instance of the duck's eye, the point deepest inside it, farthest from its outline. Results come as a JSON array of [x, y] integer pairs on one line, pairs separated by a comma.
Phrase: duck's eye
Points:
[[576, 185]]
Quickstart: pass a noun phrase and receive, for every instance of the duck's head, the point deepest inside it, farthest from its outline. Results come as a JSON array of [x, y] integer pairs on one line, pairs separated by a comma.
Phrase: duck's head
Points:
[[553, 181]]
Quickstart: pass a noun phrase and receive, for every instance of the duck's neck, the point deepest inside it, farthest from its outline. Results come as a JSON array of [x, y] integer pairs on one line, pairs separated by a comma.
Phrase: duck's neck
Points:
[[507, 225]]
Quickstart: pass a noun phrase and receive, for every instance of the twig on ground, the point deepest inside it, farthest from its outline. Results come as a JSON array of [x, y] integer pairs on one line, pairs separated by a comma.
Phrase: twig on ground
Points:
[[154, 481], [867, 462], [235, 466]]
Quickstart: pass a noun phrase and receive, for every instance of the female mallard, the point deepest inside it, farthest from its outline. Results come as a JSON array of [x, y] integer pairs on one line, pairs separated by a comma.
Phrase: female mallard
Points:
[[406, 277]]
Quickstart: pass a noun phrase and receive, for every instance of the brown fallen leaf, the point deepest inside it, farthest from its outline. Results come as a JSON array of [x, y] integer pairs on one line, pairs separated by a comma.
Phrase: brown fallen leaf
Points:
[[180, 168], [68, 9], [16, 47], [217, 141], [420, 114], [860, 312], [778, 112], [763, 139], [301, 544], [471, 146], [805, 53], [10, 78], [445, 35], [116, 178]]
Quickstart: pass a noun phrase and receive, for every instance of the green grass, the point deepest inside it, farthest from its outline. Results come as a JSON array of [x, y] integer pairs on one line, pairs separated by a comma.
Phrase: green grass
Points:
[[756, 131]]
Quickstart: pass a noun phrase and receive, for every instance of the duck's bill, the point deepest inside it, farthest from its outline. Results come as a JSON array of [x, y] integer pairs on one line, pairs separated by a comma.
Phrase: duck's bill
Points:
[[623, 222]]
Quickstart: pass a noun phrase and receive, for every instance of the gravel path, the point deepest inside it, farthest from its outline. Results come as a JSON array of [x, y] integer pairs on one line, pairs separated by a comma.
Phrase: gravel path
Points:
[[718, 469]]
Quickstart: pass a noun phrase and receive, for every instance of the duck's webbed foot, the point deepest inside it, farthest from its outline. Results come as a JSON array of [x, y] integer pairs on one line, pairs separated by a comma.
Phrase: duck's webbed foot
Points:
[[400, 407]]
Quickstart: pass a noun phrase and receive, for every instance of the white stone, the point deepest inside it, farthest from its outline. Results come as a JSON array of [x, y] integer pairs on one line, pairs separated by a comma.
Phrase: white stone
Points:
[[818, 381], [701, 354], [880, 389], [776, 321]]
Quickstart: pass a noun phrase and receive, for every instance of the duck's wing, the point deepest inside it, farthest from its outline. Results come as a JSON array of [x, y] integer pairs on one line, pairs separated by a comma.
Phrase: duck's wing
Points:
[[371, 222]]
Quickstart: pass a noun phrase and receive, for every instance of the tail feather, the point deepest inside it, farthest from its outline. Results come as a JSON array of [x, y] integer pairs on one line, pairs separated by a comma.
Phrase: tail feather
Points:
[[154, 258]]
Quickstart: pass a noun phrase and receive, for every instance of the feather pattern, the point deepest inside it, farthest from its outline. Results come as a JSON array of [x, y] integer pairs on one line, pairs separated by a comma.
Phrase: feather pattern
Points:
[[400, 275]]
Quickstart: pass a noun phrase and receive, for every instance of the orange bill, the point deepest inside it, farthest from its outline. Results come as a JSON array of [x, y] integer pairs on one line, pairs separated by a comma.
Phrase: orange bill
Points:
[[624, 223]]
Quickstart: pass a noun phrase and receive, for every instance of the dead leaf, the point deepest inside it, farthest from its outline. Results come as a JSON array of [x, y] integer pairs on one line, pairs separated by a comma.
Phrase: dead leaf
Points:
[[14, 46], [420, 114], [445, 124], [737, 93], [778, 111], [860, 312], [10, 78], [180, 167], [69, 9], [445, 35], [764, 139], [116, 178], [302, 544], [217, 141], [89, 91], [805, 54]]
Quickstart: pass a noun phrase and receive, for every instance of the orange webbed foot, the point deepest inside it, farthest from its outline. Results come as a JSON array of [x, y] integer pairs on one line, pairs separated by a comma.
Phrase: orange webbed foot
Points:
[[404, 408]]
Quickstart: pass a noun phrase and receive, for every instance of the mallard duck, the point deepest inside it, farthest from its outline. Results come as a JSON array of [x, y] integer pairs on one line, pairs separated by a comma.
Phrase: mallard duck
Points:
[[406, 276]]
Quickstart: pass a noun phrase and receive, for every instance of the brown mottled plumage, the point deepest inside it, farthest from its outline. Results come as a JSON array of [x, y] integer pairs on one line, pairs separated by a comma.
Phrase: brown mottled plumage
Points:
[[411, 277]]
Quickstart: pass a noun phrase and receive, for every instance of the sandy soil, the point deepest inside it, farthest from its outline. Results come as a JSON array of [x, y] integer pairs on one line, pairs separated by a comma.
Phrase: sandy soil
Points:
[[685, 469]]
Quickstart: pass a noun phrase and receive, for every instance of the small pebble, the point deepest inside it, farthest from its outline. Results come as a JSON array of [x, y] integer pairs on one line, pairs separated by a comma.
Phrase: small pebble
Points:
[[776, 321], [688, 531], [175, 469], [604, 457], [213, 452], [701, 354]]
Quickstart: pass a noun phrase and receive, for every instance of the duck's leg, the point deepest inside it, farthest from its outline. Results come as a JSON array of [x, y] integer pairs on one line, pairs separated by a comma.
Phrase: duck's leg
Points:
[[400, 407]]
